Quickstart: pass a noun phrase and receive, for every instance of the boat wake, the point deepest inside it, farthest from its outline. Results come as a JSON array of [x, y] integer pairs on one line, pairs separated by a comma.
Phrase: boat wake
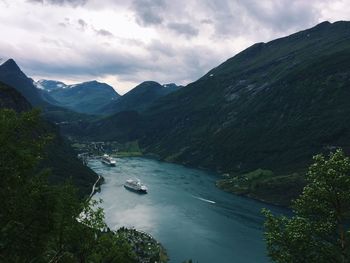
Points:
[[205, 200]]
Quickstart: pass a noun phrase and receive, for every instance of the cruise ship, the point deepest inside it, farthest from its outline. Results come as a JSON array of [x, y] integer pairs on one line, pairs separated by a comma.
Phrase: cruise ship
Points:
[[106, 159], [135, 185]]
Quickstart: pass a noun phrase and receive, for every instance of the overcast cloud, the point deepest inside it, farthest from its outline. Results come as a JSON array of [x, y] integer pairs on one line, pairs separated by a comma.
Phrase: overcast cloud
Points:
[[126, 42]]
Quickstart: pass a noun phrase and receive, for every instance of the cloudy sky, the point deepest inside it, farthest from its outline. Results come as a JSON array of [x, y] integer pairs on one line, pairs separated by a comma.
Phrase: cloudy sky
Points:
[[125, 42]]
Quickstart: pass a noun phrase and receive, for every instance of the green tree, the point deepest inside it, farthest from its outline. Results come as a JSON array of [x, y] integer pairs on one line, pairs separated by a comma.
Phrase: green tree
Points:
[[40, 222], [319, 230], [26, 213]]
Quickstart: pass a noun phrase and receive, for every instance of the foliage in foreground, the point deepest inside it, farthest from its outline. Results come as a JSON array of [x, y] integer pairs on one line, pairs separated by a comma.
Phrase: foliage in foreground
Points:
[[40, 222], [319, 230]]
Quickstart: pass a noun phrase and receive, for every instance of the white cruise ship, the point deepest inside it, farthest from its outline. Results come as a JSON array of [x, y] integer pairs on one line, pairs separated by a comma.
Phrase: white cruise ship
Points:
[[135, 185], [108, 160]]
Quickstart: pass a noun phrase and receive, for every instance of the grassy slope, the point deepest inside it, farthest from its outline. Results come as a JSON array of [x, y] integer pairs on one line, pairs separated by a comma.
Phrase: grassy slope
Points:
[[265, 186]]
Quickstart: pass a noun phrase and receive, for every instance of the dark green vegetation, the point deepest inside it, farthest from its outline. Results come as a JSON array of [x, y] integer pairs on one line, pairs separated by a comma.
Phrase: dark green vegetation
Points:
[[123, 127], [58, 155], [87, 97], [44, 223], [272, 106], [12, 99], [62, 160], [319, 230], [265, 186], [139, 98]]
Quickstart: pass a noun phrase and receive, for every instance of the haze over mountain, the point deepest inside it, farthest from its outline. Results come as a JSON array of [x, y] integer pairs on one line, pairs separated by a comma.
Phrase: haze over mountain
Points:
[[86, 97]]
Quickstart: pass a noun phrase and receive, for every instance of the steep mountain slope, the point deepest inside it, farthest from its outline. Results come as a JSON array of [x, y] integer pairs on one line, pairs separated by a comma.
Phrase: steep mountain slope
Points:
[[60, 157], [12, 99], [12, 75], [123, 126], [140, 97], [85, 97], [271, 106]]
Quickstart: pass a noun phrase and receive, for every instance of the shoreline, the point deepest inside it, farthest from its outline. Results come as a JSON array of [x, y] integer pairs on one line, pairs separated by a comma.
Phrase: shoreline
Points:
[[143, 237], [93, 190], [220, 175]]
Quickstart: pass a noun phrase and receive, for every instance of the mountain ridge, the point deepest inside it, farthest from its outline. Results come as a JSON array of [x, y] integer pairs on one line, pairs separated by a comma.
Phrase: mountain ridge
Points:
[[12, 75], [252, 110], [85, 97], [140, 97]]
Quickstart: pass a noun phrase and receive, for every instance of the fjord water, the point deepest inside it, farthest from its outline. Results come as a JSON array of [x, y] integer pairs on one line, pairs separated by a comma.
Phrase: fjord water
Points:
[[184, 211]]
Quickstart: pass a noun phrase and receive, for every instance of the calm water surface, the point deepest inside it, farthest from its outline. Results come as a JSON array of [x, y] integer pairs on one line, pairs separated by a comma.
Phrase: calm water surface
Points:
[[184, 211]]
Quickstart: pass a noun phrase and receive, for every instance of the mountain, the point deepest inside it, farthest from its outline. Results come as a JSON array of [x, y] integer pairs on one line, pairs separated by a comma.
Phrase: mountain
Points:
[[12, 75], [84, 97], [272, 106], [59, 156], [50, 85], [140, 97]]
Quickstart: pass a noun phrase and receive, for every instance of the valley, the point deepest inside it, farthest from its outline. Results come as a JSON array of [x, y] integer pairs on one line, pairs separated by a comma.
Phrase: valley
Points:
[[266, 108], [225, 158]]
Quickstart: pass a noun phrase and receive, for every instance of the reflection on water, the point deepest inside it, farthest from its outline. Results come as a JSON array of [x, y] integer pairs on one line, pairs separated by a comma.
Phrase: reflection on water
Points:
[[183, 210], [139, 216]]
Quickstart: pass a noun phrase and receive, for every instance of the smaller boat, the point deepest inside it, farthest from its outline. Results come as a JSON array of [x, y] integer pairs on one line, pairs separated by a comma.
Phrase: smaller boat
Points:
[[135, 185], [106, 159]]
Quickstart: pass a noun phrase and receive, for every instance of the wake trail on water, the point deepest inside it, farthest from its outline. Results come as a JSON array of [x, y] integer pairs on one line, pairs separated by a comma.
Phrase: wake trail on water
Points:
[[203, 199]]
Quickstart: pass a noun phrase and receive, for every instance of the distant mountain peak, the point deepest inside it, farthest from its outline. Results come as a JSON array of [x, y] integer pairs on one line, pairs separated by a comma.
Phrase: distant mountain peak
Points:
[[10, 65], [149, 82], [12, 75], [83, 97], [324, 23]]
